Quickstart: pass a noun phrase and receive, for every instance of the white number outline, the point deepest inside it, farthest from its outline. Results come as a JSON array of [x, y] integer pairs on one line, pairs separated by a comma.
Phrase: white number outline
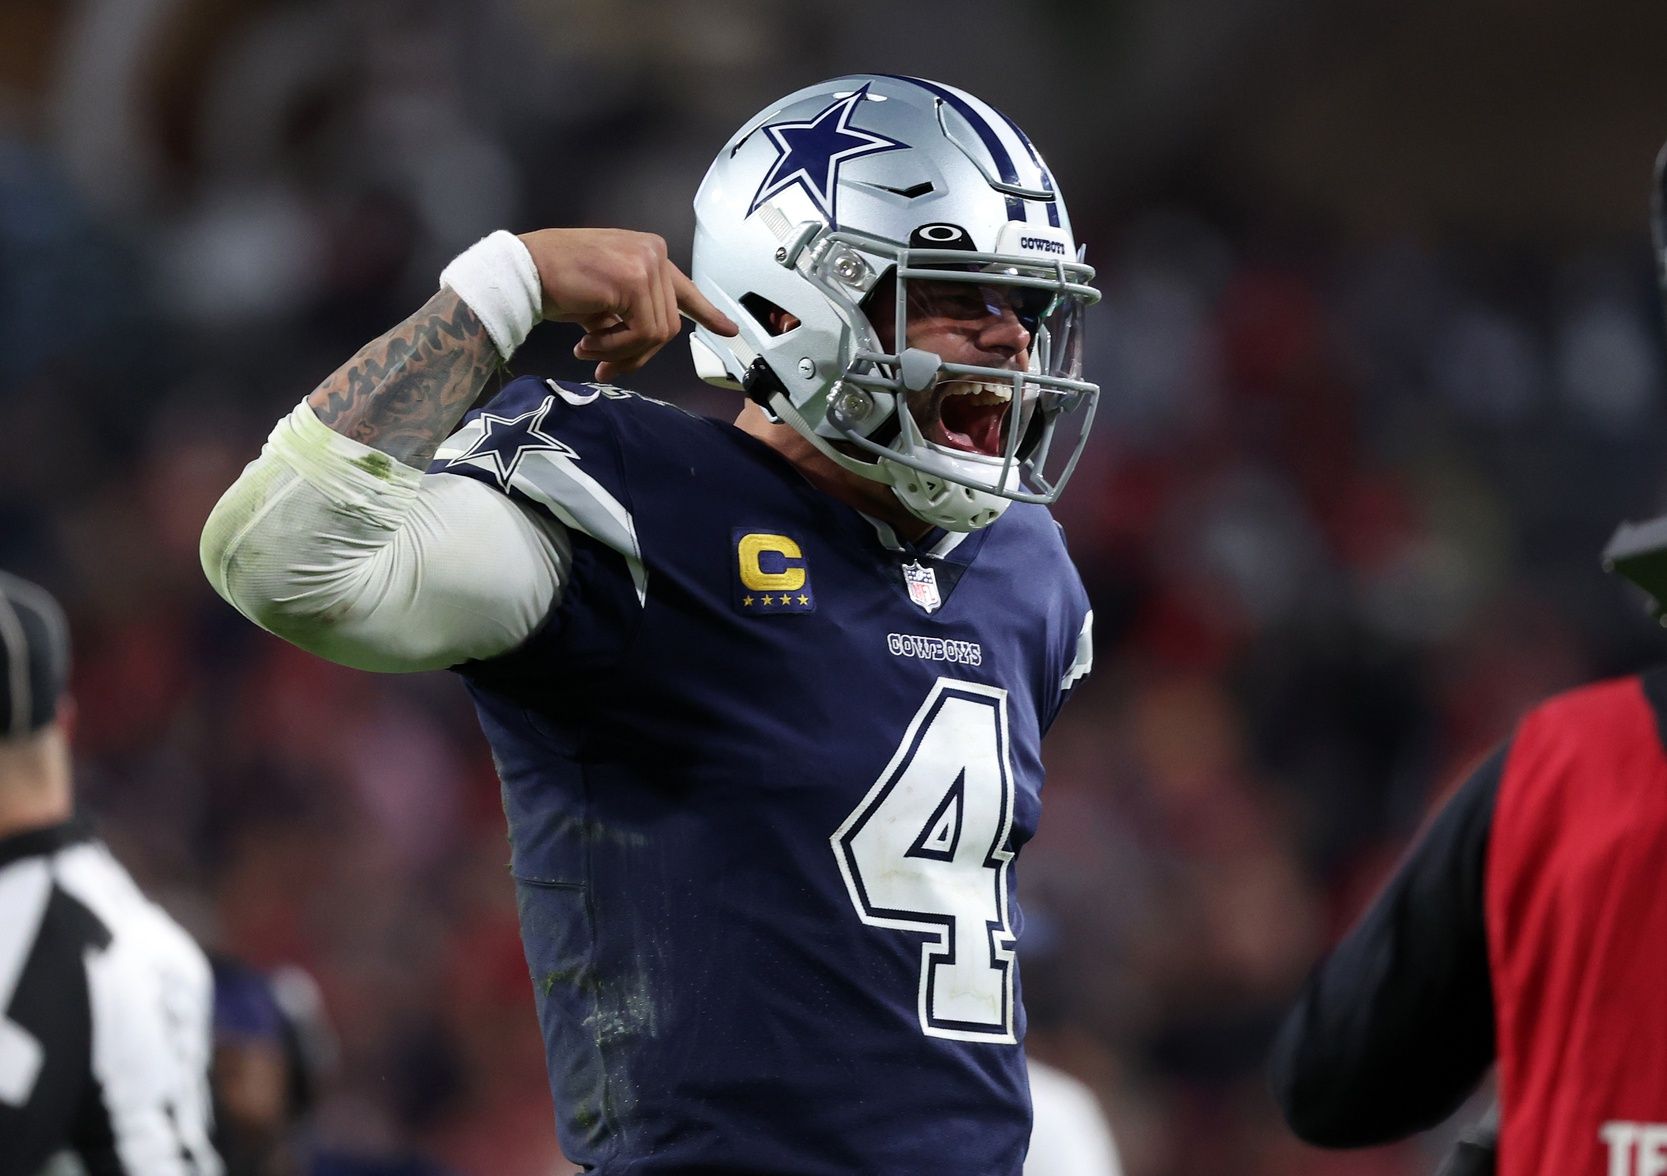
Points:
[[939, 946]]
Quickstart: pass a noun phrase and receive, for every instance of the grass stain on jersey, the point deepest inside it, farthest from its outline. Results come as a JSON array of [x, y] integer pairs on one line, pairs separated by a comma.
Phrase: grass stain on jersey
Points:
[[377, 465]]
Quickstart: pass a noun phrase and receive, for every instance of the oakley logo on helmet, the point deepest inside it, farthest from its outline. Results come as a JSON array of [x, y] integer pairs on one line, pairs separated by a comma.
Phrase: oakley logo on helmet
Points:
[[940, 236]]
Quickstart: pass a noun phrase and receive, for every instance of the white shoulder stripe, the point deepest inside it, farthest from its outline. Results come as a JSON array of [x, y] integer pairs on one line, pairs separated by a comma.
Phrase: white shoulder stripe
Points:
[[580, 501], [1083, 663], [461, 441]]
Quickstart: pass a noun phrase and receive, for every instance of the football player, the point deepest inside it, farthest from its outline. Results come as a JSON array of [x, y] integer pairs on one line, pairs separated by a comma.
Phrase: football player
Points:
[[766, 698]]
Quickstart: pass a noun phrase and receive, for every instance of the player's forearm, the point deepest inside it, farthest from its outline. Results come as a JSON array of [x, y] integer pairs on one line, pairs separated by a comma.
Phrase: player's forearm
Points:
[[405, 390]]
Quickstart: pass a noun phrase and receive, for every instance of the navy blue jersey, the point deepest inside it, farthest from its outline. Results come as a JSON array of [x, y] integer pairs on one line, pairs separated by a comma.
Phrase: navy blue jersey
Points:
[[766, 770]]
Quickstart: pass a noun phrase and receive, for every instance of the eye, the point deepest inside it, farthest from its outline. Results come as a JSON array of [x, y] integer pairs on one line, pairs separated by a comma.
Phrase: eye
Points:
[[1031, 307], [966, 303], [952, 300]]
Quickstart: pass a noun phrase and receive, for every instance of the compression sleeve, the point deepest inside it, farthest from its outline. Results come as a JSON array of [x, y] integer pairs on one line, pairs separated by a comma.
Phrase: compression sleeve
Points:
[[352, 555]]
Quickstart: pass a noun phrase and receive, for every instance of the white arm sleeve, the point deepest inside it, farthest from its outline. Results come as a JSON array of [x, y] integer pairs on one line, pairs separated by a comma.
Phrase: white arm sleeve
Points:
[[354, 556]]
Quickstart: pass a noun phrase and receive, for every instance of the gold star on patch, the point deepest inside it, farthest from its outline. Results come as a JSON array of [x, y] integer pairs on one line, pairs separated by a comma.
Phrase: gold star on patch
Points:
[[746, 602], [803, 599], [769, 600]]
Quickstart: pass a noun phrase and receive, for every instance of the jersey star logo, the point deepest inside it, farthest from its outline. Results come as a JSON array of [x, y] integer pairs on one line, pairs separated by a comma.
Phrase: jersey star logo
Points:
[[506, 440], [810, 154]]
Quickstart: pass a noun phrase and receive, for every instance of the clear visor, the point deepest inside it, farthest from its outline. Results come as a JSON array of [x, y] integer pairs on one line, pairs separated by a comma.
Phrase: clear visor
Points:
[[989, 369], [1039, 322]]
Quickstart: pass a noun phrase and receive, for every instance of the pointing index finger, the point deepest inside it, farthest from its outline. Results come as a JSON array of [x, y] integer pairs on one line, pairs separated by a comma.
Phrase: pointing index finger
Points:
[[694, 305]]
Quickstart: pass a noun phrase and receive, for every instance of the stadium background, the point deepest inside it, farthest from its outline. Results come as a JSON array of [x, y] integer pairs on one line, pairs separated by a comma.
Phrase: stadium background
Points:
[[1382, 365]]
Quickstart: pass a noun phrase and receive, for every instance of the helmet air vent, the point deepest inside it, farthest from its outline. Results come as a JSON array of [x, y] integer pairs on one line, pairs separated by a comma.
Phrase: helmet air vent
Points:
[[924, 188], [772, 318]]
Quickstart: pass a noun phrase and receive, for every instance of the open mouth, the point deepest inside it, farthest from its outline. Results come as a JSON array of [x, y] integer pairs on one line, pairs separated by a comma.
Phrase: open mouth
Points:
[[973, 418]]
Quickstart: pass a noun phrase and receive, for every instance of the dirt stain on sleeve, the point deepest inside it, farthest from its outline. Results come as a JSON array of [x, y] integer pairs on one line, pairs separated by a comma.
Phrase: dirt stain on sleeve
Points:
[[377, 465]]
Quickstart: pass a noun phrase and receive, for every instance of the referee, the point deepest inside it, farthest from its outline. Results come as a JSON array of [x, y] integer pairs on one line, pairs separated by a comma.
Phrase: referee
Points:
[[105, 1003]]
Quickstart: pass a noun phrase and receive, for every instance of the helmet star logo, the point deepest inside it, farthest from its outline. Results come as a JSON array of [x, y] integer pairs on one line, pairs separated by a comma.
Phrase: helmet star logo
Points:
[[506, 440], [810, 154]]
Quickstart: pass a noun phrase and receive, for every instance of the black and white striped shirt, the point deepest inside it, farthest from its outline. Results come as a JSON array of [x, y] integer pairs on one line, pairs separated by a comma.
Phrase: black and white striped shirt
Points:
[[106, 1010]]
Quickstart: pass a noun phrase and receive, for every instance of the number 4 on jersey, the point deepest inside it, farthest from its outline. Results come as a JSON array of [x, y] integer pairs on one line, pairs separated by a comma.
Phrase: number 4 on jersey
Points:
[[926, 852]]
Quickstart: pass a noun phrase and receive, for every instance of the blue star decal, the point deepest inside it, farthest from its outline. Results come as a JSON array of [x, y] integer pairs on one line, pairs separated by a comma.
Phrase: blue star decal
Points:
[[507, 440], [809, 154]]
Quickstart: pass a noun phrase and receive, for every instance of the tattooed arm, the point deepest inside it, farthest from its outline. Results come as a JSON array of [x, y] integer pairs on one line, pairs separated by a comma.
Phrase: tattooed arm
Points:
[[403, 391], [369, 562], [372, 563]]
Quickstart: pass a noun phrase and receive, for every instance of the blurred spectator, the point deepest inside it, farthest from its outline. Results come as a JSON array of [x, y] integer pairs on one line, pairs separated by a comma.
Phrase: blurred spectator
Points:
[[274, 1051]]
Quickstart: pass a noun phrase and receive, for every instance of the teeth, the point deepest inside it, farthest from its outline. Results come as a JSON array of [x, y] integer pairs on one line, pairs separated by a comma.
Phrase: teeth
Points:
[[983, 393]]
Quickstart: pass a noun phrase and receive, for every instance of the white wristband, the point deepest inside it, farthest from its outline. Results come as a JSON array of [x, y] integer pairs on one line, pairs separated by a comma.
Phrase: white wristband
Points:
[[497, 279]]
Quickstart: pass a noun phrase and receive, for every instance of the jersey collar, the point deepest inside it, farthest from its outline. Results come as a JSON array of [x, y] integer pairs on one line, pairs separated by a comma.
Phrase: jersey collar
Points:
[[44, 839], [937, 542]]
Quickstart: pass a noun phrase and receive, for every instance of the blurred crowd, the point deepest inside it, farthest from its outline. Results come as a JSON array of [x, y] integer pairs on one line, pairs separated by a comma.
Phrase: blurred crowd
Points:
[[1340, 519]]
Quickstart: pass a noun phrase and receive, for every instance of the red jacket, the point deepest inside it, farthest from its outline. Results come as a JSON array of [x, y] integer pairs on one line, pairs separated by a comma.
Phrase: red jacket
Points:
[[1576, 915]]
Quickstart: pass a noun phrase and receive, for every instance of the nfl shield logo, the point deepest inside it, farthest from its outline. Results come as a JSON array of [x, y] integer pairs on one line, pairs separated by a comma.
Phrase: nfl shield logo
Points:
[[922, 583]]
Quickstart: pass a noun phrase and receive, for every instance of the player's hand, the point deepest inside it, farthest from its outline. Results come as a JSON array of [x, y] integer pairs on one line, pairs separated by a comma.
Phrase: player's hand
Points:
[[622, 289]]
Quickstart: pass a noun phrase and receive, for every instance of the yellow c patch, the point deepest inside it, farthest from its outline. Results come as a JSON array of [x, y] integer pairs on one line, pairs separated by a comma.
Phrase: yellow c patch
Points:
[[771, 574]]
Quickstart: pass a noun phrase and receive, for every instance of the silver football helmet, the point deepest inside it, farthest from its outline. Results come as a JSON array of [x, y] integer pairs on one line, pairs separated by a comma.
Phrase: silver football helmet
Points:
[[841, 221]]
